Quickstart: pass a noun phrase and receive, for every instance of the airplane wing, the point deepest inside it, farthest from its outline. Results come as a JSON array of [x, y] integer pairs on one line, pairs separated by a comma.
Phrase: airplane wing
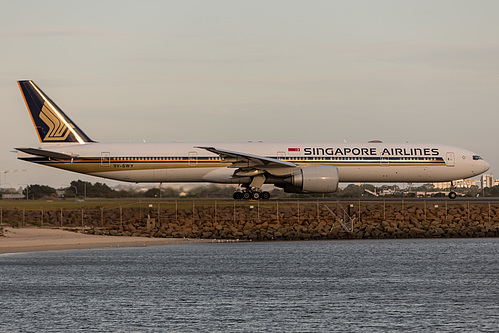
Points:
[[46, 153], [244, 160]]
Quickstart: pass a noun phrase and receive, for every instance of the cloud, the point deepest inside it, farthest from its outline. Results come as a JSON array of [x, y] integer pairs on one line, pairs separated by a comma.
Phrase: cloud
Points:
[[52, 31], [214, 59], [479, 58]]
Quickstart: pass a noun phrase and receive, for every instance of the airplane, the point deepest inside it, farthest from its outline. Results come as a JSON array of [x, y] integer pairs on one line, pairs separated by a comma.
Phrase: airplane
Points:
[[294, 167]]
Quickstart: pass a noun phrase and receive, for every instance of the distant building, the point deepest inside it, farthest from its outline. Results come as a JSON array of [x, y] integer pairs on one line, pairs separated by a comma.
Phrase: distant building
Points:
[[12, 196], [488, 180], [460, 183], [387, 192]]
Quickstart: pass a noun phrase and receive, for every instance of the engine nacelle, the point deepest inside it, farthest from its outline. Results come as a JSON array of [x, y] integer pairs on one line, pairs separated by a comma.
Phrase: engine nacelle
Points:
[[314, 179]]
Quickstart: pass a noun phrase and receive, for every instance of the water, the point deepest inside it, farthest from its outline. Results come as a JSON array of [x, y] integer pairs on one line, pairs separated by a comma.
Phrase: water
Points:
[[444, 285]]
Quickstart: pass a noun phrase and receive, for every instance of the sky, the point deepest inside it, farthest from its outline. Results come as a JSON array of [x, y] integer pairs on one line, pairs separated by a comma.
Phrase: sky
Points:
[[233, 71]]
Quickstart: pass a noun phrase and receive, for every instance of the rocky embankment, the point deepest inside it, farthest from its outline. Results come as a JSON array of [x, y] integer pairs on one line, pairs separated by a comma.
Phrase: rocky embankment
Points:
[[274, 221]]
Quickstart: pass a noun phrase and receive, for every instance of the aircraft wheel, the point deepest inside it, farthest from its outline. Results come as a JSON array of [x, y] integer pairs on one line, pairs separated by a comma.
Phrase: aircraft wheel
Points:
[[246, 195], [452, 195], [256, 195], [237, 195], [265, 195]]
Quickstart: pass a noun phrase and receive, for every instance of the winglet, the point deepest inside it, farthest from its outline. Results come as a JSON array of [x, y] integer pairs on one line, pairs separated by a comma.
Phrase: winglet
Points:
[[51, 124]]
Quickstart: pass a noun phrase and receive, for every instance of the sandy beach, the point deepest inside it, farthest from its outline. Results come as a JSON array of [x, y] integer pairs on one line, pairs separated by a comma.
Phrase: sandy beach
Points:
[[17, 240]]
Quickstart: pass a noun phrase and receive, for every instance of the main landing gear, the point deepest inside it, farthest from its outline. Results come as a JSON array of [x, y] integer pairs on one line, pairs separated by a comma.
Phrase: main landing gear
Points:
[[253, 190], [452, 194], [254, 195]]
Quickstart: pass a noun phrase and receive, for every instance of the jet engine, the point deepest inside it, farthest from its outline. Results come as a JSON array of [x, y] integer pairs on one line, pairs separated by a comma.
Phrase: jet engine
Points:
[[313, 179]]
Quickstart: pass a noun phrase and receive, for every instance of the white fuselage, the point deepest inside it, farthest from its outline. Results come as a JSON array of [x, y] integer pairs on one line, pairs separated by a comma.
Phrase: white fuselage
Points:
[[183, 162]]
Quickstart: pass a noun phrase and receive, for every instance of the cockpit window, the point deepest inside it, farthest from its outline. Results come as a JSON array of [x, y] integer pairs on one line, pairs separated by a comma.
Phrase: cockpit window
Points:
[[476, 158]]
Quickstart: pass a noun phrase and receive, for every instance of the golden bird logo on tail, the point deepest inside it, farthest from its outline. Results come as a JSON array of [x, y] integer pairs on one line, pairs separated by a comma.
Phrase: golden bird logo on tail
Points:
[[58, 130]]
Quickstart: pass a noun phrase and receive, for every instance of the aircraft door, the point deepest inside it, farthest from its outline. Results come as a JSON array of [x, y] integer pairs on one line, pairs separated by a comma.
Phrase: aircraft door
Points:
[[193, 158], [105, 159], [450, 161]]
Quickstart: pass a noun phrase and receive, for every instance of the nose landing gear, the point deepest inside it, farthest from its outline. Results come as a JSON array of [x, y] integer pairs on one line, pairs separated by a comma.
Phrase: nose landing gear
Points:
[[452, 194]]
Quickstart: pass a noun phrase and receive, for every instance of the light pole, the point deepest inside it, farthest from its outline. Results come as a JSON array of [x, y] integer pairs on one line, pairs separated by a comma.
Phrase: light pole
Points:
[[159, 202], [5, 172]]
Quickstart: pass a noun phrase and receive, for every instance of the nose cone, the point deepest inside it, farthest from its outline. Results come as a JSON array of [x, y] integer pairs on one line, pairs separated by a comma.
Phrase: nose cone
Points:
[[485, 166], [479, 165]]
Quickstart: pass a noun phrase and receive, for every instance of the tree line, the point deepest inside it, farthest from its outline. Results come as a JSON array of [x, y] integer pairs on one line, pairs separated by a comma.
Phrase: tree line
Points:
[[83, 189]]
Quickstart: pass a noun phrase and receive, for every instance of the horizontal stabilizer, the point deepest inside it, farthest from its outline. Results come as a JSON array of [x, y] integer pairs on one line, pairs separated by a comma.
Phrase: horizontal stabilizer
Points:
[[46, 153]]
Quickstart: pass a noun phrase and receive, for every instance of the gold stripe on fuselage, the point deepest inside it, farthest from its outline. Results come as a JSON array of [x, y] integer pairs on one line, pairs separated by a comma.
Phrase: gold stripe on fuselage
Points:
[[97, 165]]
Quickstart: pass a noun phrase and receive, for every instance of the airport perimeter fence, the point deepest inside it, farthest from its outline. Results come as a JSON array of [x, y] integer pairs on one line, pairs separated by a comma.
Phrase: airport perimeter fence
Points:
[[346, 216]]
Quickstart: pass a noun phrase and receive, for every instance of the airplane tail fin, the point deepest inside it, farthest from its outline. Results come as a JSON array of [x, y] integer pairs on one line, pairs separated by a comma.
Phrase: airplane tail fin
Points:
[[51, 124]]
